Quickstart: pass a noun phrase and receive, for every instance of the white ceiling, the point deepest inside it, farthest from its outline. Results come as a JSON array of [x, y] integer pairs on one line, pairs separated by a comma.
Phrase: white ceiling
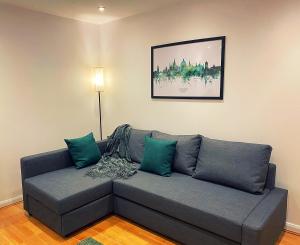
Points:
[[87, 10]]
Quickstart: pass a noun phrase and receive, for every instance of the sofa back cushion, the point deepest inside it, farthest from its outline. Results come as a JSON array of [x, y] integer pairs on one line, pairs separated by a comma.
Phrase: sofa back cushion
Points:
[[240, 165], [136, 144], [187, 150]]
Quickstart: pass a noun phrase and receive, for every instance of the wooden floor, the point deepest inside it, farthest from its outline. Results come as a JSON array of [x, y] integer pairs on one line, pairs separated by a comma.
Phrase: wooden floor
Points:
[[17, 228]]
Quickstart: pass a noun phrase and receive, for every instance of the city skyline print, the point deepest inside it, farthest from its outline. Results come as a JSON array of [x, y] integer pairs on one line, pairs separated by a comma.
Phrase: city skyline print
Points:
[[188, 70]]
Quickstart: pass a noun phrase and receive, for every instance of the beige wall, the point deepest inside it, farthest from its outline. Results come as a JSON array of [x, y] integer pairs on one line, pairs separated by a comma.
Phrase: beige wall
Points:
[[262, 78], [45, 92]]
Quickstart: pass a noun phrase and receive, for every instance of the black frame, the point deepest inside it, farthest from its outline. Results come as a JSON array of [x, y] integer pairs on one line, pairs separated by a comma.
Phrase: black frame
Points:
[[222, 38]]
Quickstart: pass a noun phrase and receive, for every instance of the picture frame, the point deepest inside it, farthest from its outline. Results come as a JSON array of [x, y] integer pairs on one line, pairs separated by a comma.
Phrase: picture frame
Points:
[[191, 69]]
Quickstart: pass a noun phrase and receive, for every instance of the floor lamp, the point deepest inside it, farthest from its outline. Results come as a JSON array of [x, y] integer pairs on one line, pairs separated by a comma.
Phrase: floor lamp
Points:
[[99, 85]]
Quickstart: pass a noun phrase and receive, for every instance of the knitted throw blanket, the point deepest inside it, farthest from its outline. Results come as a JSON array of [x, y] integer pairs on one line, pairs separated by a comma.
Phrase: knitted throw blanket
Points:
[[115, 162]]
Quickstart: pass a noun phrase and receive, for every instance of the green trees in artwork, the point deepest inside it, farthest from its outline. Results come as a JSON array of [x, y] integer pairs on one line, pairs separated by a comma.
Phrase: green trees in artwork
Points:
[[187, 71]]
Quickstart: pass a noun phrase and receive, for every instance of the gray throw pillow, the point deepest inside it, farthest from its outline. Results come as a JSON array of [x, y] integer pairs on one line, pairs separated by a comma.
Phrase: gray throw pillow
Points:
[[187, 150], [240, 165], [136, 144]]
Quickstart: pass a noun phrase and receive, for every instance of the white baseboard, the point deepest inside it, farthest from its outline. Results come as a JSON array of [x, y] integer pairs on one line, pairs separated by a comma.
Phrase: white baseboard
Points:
[[11, 201], [292, 227]]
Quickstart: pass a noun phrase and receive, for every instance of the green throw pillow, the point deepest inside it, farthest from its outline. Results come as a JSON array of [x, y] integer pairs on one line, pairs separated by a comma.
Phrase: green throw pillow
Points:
[[84, 151], [158, 156]]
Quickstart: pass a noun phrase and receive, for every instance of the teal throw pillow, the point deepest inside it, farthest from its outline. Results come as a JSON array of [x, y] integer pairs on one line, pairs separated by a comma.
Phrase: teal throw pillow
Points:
[[158, 156], [84, 151]]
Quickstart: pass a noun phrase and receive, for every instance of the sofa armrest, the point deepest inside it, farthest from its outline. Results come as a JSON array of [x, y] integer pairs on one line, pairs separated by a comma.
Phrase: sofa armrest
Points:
[[49, 161], [270, 181], [45, 162], [265, 223]]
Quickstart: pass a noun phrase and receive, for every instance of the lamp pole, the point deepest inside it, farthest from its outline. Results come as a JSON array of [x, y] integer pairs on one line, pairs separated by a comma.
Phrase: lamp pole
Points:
[[100, 116]]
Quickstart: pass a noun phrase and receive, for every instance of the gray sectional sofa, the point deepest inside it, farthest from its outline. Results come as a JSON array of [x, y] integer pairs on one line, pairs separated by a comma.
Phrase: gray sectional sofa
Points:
[[185, 207]]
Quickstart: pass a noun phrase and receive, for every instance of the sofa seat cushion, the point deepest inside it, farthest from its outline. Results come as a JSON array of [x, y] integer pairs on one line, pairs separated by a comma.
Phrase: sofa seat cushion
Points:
[[67, 189], [216, 208]]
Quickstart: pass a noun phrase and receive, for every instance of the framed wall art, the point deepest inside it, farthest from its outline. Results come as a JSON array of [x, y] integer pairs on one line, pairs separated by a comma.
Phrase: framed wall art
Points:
[[188, 70]]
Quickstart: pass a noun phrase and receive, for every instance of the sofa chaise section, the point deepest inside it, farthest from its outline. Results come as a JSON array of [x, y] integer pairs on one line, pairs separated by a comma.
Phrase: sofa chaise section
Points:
[[67, 189], [61, 196]]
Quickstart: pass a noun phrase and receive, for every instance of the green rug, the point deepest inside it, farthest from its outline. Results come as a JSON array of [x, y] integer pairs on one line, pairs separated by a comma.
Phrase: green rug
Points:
[[89, 241]]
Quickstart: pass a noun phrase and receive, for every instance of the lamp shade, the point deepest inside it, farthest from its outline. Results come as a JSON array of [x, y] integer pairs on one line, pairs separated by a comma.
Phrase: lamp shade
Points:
[[98, 78]]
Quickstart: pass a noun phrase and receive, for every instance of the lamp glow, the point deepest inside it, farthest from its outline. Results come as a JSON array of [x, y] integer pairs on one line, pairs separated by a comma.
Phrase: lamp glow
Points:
[[98, 77], [101, 8]]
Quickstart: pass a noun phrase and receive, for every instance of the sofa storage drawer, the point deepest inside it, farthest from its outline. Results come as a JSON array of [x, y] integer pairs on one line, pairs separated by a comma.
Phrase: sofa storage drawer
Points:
[[166, 225], [73, 220], [87, 214]]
